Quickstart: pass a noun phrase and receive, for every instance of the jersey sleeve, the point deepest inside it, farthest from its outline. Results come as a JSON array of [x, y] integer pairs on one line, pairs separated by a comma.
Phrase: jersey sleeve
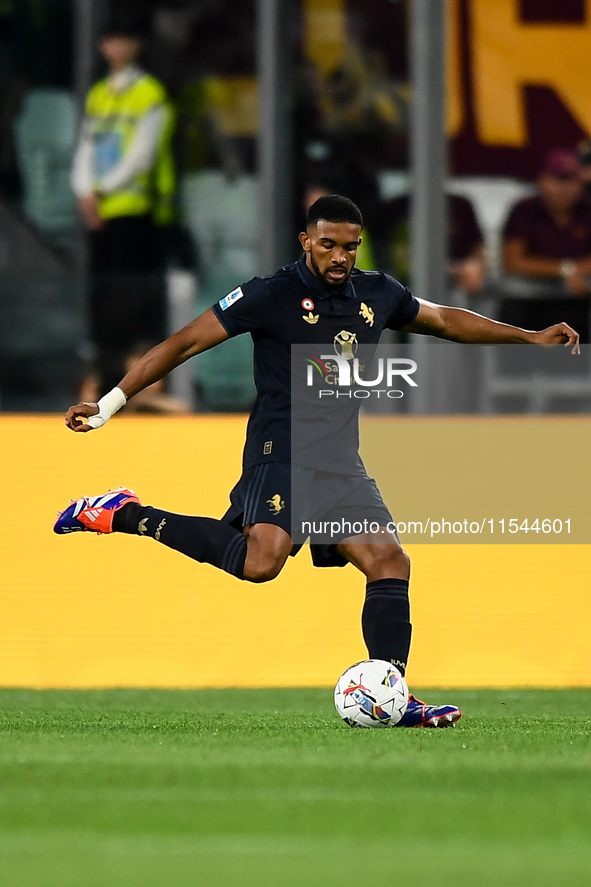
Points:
[[404, 306], [245, 309]]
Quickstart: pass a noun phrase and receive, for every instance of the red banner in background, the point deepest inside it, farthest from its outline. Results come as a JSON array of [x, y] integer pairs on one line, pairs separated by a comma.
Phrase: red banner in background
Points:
[[519, 82]]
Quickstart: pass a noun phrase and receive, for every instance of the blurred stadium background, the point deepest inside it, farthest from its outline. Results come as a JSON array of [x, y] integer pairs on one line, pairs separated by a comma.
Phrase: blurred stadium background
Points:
[[274, 99]]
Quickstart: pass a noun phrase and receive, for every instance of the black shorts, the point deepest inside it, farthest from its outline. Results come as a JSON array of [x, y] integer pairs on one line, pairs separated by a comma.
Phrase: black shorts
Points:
[[335, 506]]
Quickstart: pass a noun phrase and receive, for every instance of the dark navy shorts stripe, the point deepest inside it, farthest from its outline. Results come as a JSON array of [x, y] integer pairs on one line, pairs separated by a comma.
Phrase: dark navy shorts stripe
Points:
[[253, 495]]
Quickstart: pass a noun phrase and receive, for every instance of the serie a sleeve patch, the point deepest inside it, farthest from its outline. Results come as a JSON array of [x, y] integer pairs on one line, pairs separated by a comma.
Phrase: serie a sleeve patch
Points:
[[231, 298]]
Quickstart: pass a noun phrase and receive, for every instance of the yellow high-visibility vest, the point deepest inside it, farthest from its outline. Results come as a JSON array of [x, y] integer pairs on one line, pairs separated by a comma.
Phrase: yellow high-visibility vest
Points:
[[114, 117]]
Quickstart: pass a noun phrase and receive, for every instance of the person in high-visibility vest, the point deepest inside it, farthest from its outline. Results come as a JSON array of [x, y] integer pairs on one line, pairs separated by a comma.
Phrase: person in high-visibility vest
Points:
[[124, 180]]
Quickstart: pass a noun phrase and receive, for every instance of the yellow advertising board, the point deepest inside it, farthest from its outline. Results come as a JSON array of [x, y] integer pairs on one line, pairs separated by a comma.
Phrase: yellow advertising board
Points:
[[82, 611]]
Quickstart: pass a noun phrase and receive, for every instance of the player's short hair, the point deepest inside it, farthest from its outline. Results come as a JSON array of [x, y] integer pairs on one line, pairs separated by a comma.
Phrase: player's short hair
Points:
[[334, 208]]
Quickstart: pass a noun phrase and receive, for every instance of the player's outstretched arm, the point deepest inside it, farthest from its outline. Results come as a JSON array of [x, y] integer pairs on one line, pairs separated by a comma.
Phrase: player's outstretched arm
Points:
[[460, 325], [201, 334]]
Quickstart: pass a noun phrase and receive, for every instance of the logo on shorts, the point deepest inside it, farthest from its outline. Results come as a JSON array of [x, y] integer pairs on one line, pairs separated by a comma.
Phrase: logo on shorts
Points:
[[276, 504]]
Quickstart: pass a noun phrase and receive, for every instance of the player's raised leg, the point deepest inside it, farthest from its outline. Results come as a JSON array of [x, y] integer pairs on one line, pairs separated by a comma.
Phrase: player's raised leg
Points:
[[256, 554], [267, 549], [251, 542], [385, 618], [93, 513]]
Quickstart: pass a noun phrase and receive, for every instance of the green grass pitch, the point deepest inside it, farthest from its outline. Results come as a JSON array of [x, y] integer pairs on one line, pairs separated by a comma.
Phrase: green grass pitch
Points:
[[222, 788]]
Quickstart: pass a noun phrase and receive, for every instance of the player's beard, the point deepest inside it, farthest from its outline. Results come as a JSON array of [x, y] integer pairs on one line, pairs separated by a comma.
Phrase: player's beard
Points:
[[333, 284]]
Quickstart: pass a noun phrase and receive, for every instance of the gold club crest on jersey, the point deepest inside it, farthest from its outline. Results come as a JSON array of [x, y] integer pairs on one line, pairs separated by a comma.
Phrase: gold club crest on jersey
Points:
[[367, 313], [276, 504]]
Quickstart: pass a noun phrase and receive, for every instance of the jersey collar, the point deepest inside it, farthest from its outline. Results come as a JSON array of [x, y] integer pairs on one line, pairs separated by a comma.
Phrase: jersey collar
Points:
[[320, 289]]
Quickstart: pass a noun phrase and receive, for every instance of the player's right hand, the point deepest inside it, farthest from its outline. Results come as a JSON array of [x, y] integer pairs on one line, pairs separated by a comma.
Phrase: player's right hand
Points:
[[76, 415], [559, 334]]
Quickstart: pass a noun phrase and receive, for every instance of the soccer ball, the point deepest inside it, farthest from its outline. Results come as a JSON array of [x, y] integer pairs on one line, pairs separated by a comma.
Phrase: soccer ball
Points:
[[371, 693]]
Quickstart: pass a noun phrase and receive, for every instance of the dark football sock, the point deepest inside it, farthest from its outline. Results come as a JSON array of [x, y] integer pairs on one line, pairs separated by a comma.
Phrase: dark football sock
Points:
[[204, 539], [385, 621]]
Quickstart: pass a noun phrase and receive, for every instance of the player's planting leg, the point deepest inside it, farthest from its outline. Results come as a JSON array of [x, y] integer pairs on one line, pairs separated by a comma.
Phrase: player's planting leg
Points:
[[387, 633], [386, 621]]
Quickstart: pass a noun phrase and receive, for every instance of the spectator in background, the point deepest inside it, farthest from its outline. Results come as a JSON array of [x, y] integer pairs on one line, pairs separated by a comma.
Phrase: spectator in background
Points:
[[465, 244], [345, 124], [123, 177], [547, 241]]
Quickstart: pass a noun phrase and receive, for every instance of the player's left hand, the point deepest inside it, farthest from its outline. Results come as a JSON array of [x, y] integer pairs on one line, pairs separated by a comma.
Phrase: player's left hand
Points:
[[559, 334], [75, 416]]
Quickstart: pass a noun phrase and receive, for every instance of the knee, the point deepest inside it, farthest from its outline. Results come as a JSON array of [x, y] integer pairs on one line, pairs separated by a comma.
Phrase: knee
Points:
[[268, 548], [263, 569], [391, 564]]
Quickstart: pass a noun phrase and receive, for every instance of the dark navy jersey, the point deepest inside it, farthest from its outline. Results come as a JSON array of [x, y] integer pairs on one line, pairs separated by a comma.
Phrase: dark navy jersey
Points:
[[293, 307]]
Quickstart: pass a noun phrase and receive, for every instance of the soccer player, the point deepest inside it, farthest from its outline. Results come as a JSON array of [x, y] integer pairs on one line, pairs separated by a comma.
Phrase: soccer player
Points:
[[315, 300]]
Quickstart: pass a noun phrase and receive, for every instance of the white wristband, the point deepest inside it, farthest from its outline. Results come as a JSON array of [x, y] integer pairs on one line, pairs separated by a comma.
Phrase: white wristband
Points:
[[108, 406]]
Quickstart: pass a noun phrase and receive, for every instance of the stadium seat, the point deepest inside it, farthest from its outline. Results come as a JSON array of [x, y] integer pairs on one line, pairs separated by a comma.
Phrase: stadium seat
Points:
[[222, 216], [45, 139], [224, 375], [492, 198]]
